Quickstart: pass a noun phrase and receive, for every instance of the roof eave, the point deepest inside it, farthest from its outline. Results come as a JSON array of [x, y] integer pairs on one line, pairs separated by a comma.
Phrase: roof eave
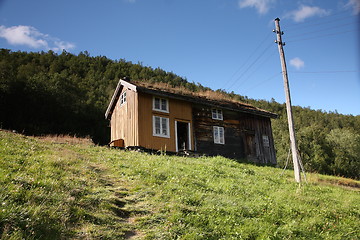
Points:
[[254, 111]]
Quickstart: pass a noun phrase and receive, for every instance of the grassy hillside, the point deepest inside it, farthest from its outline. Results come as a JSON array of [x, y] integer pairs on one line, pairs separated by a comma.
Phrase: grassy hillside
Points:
[[67, 188], [77, 90]]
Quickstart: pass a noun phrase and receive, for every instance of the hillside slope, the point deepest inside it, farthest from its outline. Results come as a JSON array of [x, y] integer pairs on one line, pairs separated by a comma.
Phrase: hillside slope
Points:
[[68, 188], [49, 93]]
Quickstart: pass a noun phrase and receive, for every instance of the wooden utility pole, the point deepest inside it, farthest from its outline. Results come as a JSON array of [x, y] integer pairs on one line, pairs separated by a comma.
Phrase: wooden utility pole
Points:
[[296, 160]]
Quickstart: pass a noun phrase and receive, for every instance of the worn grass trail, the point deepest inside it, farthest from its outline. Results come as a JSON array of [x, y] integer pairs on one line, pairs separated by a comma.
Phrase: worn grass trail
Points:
[[75, 190], [57, 190]]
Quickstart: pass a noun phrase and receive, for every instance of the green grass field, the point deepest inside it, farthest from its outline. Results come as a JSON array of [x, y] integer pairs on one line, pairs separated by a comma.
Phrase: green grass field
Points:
[[63, 188]]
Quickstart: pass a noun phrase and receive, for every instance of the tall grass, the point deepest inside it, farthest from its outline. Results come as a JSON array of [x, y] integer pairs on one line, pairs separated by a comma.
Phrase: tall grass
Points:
[[82, 191], [52, 191], [216, 198]]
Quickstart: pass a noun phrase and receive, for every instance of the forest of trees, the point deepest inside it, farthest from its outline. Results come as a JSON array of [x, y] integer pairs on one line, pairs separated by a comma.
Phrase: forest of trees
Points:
[[50, 93]]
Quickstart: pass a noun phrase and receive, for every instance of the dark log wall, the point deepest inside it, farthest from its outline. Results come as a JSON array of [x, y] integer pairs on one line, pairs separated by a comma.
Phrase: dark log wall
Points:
[[255, 129], [243, 135]]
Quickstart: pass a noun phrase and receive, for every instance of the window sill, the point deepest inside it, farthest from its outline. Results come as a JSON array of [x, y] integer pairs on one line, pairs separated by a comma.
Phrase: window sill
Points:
[[162, 136], [158, 110]]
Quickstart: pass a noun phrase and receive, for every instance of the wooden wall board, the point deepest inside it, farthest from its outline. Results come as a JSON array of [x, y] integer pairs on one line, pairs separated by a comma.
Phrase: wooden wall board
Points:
[[178, 111]]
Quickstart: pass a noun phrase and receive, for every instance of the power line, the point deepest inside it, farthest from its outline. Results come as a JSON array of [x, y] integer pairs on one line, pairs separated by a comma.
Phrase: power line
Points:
[[247, 69], [334, 71], [296, 26], [261, 64], [309, 25], [321, 36], [262, 82], [246, 61], [247, 65], [324, 29]]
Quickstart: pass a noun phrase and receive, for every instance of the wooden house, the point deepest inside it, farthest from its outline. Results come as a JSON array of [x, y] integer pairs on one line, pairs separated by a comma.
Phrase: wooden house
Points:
[[159, 119]]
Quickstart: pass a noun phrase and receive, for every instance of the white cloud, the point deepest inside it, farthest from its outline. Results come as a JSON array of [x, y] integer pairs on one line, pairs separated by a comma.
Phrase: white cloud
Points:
[[306, 12], [31, 37], [355, 5], [297, 63], [61, 45], [262, 6], [23, 35]]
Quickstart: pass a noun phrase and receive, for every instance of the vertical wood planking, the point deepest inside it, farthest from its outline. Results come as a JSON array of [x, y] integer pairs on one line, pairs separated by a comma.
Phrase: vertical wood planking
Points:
[[178, 110], [124, 120]]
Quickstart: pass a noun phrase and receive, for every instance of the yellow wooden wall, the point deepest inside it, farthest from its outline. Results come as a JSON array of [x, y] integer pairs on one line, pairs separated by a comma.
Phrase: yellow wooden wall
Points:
[[178, 111], [124, 120]]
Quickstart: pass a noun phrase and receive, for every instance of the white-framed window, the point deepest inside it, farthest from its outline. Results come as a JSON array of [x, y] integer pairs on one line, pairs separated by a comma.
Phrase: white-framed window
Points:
[[217, 114], [123, 98], [160, 104], [266, 141], [219, 135], [161, 127]]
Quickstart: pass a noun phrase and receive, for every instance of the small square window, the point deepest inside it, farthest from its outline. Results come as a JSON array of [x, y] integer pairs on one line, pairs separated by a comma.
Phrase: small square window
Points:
[[217, 114], [160, 104]]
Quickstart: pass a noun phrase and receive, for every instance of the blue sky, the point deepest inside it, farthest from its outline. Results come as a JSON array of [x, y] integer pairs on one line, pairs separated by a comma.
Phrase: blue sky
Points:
[[222, 44]]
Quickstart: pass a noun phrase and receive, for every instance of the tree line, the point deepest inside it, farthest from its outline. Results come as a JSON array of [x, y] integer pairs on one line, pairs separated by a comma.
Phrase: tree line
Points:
[[50, 93]]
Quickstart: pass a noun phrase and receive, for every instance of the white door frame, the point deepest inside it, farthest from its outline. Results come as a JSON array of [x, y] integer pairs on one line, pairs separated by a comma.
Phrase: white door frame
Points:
[[176, 135]]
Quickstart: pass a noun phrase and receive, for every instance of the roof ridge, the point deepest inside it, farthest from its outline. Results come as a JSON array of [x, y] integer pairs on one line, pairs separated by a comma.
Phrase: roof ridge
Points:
[[165, 89], [159, 87]]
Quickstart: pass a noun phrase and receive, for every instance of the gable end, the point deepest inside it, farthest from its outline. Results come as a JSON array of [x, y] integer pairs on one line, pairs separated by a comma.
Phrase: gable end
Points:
[[121, 84]]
